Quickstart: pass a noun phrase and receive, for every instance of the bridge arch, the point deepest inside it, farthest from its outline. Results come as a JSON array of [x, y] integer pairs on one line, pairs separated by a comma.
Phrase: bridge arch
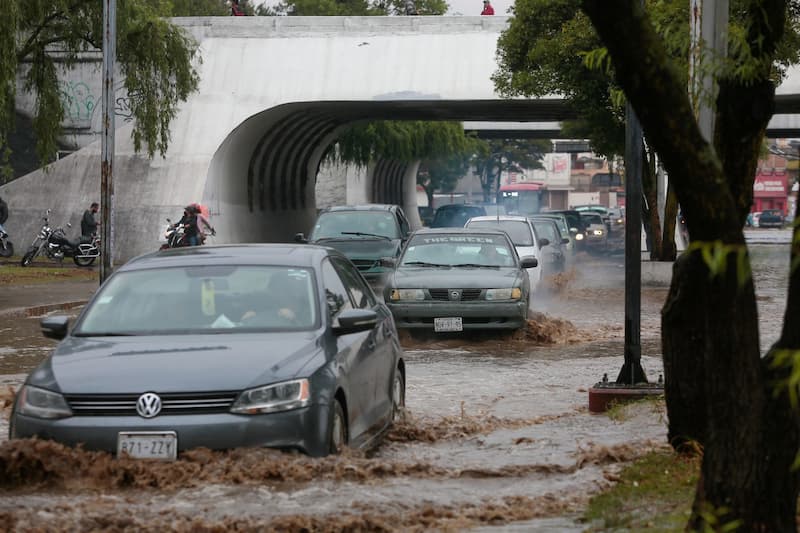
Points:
[[263, 174]]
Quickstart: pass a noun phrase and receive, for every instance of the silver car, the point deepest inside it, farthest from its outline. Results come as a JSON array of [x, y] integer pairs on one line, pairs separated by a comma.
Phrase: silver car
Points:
[[455, 279], [281, 346]]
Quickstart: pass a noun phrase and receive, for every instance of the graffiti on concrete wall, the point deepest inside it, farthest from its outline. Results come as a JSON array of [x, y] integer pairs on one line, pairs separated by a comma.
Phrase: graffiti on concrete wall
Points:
[[122, 108], [79, 103]]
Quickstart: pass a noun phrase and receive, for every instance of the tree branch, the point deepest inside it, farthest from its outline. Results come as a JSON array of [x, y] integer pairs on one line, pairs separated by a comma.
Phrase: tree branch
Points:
[[648, 75]]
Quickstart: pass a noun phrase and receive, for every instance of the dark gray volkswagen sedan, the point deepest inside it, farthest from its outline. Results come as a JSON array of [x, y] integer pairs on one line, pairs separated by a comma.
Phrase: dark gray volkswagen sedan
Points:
[[453, 279], [280, 346]]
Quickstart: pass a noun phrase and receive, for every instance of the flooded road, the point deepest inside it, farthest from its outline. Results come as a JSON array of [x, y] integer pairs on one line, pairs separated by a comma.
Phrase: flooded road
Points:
[[497, 437]]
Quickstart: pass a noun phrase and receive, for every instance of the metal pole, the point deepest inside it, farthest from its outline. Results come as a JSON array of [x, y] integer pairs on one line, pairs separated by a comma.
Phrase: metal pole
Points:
[[709, 35], [107, 145], [632, 371]]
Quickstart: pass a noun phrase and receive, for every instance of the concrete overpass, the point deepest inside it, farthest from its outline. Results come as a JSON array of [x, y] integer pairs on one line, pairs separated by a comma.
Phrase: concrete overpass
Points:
[[274, 93]]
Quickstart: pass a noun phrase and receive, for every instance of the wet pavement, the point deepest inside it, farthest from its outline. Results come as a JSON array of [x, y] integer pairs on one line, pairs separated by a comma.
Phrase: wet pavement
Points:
[[498, 435]]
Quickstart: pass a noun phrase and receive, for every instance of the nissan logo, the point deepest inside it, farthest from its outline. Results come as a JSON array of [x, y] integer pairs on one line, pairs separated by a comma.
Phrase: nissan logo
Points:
[[455, 295], [148, 405]]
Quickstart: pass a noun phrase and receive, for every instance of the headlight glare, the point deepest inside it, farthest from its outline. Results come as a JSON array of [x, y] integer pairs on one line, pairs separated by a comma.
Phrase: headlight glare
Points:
[[273, 398], [598, 232], [42, 403], [408, 294], [579, 237]]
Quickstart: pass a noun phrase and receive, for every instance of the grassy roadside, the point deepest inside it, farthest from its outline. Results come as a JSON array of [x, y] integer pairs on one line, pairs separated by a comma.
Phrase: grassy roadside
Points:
[[654, 493], [11, 273]]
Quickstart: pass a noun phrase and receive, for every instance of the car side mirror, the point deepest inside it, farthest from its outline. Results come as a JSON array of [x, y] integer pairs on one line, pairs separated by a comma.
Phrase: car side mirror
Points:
[[355, 320], [388, 262], [54, 327], [300, 238], [528, 262], [564, 240], [543, 242]]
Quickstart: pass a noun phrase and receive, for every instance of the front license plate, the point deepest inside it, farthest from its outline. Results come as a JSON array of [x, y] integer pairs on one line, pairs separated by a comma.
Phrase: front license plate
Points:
[[448, 324], [148, 444]]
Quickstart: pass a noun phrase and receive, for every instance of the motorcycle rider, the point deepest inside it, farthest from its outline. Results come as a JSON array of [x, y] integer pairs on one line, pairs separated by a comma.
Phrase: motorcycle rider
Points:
[[88, 222], [191, 230]]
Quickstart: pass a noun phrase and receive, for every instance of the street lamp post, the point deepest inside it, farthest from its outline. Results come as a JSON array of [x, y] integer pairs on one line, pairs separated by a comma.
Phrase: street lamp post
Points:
[[107, 143]]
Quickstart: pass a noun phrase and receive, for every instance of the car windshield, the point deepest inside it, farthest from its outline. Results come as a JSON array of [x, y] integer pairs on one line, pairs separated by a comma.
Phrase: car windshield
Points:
[[453, 250], [202, 299], [547, 230], [455, 217], [518, 230], [595, 208], [349, 224], [591, 219]]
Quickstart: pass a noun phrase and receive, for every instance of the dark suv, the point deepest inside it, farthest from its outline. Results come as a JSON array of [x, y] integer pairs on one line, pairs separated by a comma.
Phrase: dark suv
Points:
[[771, 218], [363, 233], [456, 215]]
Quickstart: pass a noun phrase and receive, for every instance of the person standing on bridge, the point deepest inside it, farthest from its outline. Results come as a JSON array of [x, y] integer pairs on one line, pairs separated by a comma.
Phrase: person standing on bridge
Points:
[[236, 9], [487, 8]]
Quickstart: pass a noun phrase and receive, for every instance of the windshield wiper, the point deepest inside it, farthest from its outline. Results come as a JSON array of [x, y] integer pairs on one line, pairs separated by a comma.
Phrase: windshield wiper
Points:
[[424, 263], [476, 265], [362, 234]]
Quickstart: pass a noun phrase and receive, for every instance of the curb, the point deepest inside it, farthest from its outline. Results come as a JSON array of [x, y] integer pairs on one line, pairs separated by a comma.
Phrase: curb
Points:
[[38, 310]]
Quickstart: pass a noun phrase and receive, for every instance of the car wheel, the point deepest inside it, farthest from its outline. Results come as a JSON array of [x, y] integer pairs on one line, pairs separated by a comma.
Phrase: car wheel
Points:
[[83, 261], [398, 397], [338, 429]]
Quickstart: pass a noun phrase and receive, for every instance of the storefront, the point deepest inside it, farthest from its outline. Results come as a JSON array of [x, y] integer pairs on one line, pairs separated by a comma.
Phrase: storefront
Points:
[[770, 190]]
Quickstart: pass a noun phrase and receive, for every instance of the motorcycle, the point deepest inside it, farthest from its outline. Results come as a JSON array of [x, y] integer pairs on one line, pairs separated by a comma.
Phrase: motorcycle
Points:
[[53, 243], [175, 236], [6, 246]]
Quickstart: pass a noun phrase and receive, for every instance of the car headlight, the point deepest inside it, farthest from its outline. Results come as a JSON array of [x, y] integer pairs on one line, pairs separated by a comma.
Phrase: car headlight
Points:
[[598, 232], [273, 398], [619, 221], [41, 403], [579, 237], [407, 294], [504, 294]]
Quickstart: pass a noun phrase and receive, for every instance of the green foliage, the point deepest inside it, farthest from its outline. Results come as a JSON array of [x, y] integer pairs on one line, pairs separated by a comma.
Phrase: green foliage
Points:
[[495, 156], [401, 140], [154, 56], [200, 8], [354, 8], [442, 174], [785, 358], [713, 519], [716, 255]]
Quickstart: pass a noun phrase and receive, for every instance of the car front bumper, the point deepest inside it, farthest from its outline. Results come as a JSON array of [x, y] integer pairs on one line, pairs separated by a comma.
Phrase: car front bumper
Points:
[[303, 429], [474, 315]]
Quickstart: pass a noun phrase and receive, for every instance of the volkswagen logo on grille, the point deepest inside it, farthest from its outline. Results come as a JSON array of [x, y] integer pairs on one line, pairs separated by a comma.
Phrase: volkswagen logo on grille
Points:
[[455, 295], [148, 405]]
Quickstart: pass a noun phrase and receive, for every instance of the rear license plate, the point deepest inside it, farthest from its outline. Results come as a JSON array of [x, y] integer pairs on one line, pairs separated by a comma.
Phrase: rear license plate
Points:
[[448, 324], [148, 444]]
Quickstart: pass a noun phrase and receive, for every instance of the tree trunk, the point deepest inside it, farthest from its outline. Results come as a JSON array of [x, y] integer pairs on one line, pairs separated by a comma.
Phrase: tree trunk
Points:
[[668, 250], [749, 435], [682, 331], [650, 206]]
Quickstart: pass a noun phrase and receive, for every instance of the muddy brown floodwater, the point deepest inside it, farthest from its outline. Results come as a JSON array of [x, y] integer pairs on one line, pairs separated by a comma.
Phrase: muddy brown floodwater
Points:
[[497, 434]]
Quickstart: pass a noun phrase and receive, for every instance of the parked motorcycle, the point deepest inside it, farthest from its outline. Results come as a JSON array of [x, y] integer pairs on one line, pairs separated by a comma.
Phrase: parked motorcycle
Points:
[[53, 243], [6, 246]]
